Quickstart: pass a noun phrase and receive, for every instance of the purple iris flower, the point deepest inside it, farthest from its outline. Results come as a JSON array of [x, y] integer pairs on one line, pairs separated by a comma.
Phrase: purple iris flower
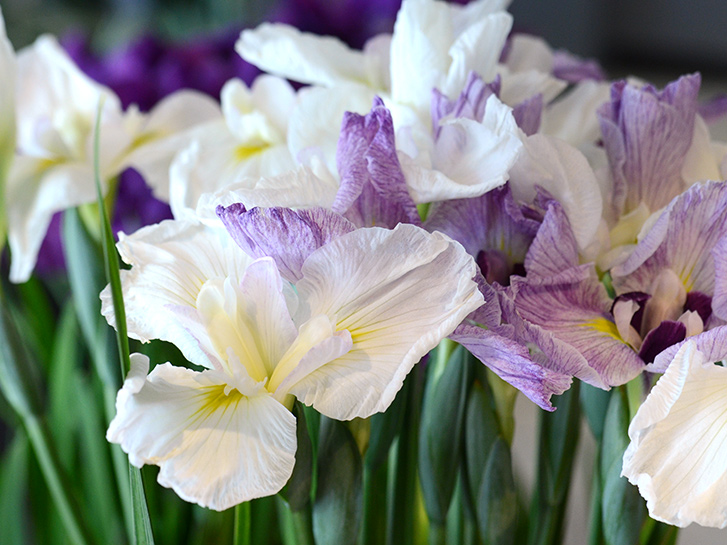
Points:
[[646, 135]]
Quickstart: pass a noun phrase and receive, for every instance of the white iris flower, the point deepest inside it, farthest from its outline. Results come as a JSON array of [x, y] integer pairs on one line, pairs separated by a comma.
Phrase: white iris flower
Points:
[[368, 307]]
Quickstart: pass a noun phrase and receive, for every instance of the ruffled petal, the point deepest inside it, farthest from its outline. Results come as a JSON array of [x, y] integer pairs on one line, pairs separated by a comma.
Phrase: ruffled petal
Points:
[[373, 190], [683, 239], [577, 312], [398, 293], [564, 172], [288, 236], [300, 56], [215, 446], [171, 261], [511, 361], [678, 439]]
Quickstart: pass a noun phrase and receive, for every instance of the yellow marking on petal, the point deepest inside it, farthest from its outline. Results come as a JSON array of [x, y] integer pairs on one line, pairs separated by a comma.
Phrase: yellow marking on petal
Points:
[[145, 138], [602, 325], [215, 399], [243, 153]]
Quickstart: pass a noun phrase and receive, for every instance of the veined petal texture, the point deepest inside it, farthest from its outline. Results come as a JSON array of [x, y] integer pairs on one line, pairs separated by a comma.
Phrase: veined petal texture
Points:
[[398, 292], [215, 445], [171, 261], [678, 439]]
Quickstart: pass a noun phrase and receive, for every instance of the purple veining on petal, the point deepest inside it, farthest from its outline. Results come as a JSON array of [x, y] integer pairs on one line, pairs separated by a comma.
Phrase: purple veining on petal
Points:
[[684, 239], [373, 189], [573, 69], [288, 236], [528, 114], [574, 308], [554, 248], [512, 363], [544, 346], [661, 337], [639, 298], [646, 135], [701, 303], [470, 103], [493, 224], [714, 109], [719, 301]]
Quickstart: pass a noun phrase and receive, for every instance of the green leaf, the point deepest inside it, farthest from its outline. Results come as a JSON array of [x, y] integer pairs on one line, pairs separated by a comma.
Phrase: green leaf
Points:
[[559, 433], [39, 310], [241, 533], [297, 491], [101, 499], [594, 403], [339, 501], [480, 431], [63, 417], [85, 275], [13, 487], [440, 435], [623, 511], [659, 533], [375, 479], [384, 429], [401, 520], [142, 524], [497, 505]]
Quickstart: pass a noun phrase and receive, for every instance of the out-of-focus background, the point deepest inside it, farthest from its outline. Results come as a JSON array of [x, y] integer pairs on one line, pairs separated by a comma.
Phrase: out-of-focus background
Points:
[[657, 40]]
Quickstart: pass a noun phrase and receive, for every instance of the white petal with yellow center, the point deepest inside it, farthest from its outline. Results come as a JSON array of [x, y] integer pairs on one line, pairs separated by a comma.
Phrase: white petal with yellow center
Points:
[[398, 293], [217, 444]]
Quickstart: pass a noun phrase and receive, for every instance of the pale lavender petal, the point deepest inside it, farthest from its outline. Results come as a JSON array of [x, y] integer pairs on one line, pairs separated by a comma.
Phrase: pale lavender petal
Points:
[[470, 103], [573, 69], [687, 234], [288, 236], [529, 113], [719, 300], [493, 224], [373, 188], [646, 135], [511, 361], [545, 347], [577, 312], [714, 110], [554, 248]]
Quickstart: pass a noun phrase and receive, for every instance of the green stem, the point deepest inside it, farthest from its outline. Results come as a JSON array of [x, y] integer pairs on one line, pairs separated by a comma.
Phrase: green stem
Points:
[[373, 531], [303, 526], [241, 532], [56, 483], [403, 475], [634, 393], [142, 525], [119, 462], [437, 534]]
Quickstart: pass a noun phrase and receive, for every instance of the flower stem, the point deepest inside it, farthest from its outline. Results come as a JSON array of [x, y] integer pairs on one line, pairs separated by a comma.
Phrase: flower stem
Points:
[[303, 525], [241, 532]]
